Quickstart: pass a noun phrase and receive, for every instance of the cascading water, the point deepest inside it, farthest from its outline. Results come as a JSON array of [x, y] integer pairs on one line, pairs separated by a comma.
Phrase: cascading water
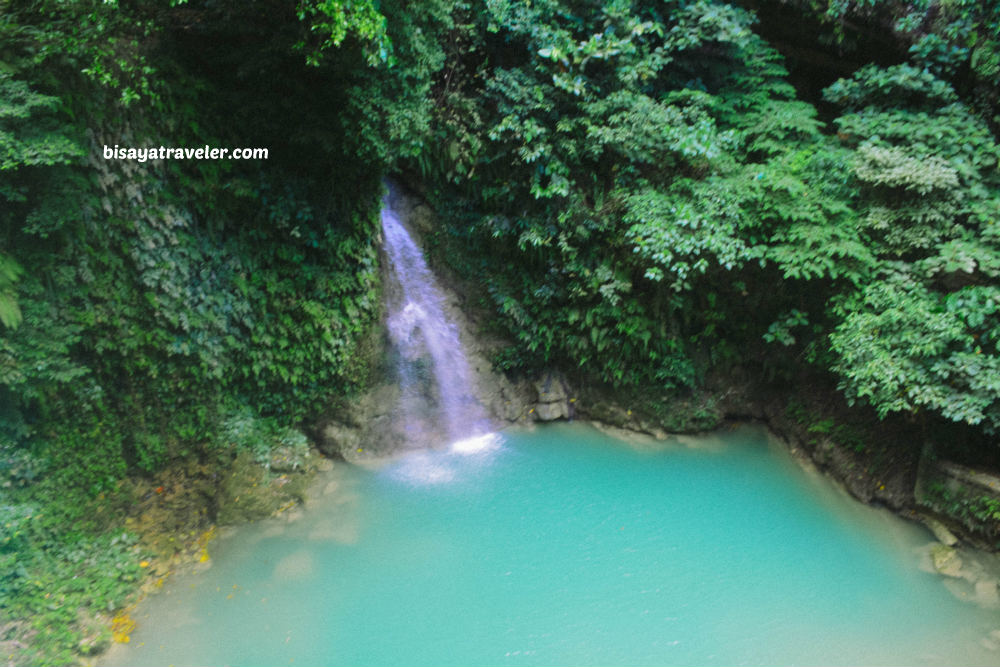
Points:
[[434, 375]]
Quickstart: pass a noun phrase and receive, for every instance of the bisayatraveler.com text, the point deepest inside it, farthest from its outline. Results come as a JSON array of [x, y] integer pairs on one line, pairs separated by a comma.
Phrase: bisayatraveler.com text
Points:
[[165, 153]]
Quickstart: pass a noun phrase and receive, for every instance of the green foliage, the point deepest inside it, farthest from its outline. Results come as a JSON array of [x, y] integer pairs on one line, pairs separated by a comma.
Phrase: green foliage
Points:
[[979, 512], [685, 231], [10, 312], [29, 135], [333, 20], [947, 155], [642, 169], [893, 168], [904, 347], [919, 337], [261, 437], [897, 86], [806, 197], [644, 131], [957, 40], [142, 306], [391, 108], [780, 331], [163, 291], [95, 38], [53, 581], [581, 312], [653, 167]]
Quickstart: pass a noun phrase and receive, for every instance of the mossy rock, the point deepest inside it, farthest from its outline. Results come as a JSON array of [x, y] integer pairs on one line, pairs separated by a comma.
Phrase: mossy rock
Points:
[[289, 459], [171, 508], [689, 415], [248, 492]]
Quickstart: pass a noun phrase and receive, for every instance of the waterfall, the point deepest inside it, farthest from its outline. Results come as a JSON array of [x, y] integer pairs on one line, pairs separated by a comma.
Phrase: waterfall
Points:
[[437, 396]]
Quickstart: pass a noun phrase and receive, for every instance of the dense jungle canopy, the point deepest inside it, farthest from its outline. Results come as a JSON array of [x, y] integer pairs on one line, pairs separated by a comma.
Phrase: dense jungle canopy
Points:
[[647, 194]]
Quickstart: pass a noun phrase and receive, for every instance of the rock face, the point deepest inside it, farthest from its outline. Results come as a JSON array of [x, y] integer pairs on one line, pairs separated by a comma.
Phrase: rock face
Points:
[[247, 492], [553, 400], [959, 493], [363, 428], [336, 438]]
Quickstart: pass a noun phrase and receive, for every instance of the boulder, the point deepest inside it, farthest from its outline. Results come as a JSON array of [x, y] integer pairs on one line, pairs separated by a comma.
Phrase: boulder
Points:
[[553, 400], [946, 560], [547, 412], [248, 493], [336, 439], [943, 535], [550, 388]]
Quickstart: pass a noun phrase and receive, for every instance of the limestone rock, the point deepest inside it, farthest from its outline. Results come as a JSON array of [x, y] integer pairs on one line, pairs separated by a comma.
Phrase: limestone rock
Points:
[[550, 389], [335, 439], [505, 400], [943, 535], [547, 412], [553, 401], [244, 493], [946, 560], [287, 459], [506, 409], [600, 409], [383, 400]]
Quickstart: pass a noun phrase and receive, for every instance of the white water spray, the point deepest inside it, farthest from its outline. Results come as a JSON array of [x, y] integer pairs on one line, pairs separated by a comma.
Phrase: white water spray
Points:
[[433, 369]]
